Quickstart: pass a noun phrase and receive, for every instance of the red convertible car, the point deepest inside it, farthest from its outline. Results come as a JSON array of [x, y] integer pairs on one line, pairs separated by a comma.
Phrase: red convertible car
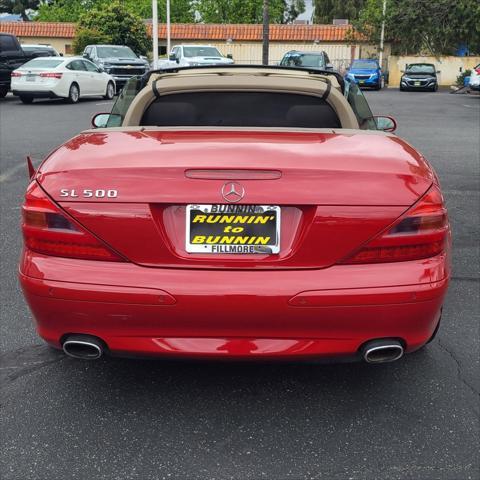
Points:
[[236, 212]]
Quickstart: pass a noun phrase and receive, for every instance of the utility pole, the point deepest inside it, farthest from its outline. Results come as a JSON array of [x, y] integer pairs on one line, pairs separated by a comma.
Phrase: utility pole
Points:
[[155, 33], [382, 33], [266, 33], [168, 28]]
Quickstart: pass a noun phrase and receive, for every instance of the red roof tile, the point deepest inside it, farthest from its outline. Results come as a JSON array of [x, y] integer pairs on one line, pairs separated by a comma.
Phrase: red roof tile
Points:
[[197, 31]]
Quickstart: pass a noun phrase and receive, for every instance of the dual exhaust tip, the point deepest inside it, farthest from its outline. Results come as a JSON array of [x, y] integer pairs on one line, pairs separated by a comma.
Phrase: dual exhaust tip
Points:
[[87, 347]]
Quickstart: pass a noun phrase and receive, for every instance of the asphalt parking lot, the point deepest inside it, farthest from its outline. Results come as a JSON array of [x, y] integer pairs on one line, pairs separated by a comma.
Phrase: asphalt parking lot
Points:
[[417, 418]]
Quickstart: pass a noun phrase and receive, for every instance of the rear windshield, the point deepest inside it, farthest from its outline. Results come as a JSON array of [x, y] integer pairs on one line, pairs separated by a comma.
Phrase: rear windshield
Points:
[[42, 63], [33, 48], [364, 65], [241, 109], [304, 60]]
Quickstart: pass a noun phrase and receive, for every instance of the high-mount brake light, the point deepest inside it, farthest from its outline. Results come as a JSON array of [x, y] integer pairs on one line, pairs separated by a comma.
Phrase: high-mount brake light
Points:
[[422, 232], [46, 229]]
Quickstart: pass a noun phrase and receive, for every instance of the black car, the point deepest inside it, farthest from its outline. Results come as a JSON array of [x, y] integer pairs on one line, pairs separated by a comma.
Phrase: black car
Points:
[[295, 58], [419, 76], [11, 57]]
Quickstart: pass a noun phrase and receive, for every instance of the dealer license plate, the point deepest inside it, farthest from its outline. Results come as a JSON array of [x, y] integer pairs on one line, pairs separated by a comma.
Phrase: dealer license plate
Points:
[[417, 84], [239, 229]]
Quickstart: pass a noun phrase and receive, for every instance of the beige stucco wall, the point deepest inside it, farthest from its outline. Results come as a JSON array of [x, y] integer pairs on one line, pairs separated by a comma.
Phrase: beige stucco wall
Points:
[[341, 54], [59, 44], [449, 67]]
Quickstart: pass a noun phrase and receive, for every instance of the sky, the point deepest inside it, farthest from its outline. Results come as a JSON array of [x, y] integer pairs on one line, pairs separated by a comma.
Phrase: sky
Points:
[[308, 11]]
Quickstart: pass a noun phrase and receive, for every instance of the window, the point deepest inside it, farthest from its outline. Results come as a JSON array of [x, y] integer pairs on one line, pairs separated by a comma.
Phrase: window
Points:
[[68, 49], [241, 109], [76, 65], [89, 66], [200, 52], [115, 52], [309, 60], [359, 105], [43, 62], [128, 93], [7, 44]]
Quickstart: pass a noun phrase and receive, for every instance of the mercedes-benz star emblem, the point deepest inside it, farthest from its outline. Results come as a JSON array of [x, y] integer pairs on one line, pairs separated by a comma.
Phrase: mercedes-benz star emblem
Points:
[[233, 192]]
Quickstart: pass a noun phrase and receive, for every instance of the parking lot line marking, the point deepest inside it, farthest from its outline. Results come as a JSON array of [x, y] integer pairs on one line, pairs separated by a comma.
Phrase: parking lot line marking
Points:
[[104, 103], [12, 171]]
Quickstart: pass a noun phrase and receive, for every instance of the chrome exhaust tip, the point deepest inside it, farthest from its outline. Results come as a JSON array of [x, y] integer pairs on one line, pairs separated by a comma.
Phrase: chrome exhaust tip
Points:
[[83, 347], [382, 351]]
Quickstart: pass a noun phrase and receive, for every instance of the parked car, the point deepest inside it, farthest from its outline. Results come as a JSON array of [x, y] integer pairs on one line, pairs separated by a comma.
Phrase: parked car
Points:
[[120, 61], [275, 219], [57, 77], [474, 83], [42, 50], [419, 76], [367, 73], [195, 55], [295, 58], [11, 57]]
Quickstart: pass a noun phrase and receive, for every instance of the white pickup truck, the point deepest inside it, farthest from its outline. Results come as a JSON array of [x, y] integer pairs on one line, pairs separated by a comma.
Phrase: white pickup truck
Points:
[[194, 56]]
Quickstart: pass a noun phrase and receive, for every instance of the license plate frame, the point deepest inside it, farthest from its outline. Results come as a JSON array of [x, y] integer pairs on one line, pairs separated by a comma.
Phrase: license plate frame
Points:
[[417, 84], [31, 77], [258, 223]]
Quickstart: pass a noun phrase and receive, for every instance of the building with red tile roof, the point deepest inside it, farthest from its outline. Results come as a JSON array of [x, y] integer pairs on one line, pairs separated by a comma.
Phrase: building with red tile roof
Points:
[[243, 41]]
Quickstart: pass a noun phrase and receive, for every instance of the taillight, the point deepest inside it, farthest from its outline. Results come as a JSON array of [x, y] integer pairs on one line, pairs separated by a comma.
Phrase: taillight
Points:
[[422, 232], [478, 70], [16, 74], [51, 75], [48, 230]]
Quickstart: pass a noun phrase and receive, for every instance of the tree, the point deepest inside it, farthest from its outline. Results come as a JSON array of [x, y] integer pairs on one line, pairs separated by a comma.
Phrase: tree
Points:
[[326, 10], [65, 10], [414, 26], [119, 24], [19, 6], [71, 10], [180, 10], [86, 36], [246, 11]]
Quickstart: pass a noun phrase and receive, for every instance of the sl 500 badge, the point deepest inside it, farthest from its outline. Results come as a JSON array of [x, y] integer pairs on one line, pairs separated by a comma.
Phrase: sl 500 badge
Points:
[[88, 193]]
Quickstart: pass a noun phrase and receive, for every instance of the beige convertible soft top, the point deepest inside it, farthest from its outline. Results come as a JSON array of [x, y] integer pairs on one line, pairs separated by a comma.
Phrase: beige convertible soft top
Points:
[[242, 79]]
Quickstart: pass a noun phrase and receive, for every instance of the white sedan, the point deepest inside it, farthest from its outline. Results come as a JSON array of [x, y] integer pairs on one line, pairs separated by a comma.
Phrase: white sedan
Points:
[[56, 77]]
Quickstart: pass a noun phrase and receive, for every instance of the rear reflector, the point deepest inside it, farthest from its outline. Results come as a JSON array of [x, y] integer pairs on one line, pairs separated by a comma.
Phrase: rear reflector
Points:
[[422, 232], [48, 230]]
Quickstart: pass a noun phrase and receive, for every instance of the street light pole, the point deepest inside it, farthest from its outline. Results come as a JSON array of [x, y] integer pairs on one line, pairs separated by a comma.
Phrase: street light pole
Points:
[[266, 33], [155, 33], [382, 33], [168, 28]]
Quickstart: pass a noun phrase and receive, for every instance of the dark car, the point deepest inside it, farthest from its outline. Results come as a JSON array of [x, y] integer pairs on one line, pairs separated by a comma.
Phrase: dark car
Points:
[[41, 50], [11, 57], [419, 76], [119, 61], [318, 60]]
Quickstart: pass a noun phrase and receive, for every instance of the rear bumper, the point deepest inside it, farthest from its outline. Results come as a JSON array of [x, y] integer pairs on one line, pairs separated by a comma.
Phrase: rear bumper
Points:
[[35, 93], [238, 314]]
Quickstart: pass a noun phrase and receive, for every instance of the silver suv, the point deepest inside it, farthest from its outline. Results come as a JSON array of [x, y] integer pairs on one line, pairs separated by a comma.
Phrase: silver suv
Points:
[[318, 60]]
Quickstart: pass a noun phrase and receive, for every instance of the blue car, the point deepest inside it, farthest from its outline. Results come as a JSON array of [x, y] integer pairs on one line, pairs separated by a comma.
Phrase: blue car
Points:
[[367, 73]]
